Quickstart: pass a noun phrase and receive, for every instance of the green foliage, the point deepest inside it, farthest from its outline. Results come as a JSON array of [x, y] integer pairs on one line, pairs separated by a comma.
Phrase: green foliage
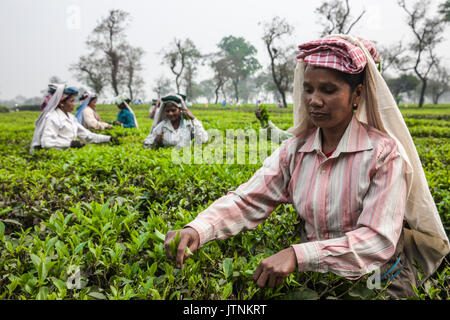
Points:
[[4, 109], [403, 84], [444, 9], [264, 115], [90, 223]]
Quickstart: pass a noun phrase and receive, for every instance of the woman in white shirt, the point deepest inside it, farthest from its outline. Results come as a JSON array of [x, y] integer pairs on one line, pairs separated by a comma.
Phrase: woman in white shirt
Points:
[[58, 128], [175, 125]]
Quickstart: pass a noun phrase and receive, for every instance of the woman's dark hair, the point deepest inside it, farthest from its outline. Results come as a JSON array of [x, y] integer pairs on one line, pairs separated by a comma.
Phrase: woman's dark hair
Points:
[[122, 105], [353, 80], [68, 96]]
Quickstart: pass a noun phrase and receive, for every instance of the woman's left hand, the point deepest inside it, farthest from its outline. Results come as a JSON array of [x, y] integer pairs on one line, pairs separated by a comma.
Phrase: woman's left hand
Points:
[[272, 271], [188, 113]]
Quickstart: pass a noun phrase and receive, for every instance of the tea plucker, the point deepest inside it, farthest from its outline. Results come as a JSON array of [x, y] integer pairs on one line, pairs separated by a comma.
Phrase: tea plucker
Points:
[[154, 106], [126, 117], [87, 115], [351, 172], [58, 128], [175, 125]]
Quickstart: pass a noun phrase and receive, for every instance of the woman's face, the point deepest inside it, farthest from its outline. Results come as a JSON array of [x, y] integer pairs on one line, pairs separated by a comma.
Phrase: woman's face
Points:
[[328, 98], [68, 105], [172, 112], [93, 103]]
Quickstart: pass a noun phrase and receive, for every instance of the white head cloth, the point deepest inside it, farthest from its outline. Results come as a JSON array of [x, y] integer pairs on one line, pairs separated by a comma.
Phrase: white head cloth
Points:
[[426, 242], [161, 115], [39, 124], [122, 99]]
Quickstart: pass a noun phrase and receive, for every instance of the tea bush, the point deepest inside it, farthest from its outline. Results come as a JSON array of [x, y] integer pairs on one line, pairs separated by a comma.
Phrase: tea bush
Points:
[[89, 223]]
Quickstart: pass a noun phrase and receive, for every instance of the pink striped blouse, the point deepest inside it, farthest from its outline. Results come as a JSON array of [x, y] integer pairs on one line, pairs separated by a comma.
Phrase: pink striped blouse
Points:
[[353, 202]]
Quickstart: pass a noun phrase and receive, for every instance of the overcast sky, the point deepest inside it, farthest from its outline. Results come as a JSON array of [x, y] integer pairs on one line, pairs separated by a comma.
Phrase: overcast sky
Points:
[[41, 38]]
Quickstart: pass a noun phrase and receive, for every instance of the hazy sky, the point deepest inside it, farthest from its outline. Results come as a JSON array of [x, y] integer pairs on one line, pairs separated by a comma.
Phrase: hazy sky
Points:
[[41, 38]]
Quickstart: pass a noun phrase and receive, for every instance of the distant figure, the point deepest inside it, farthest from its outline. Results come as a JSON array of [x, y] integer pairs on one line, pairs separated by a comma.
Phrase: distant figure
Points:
[[126, 117], [279, 104], [58, 128], [224, 103], [154, 108], [175, 125]]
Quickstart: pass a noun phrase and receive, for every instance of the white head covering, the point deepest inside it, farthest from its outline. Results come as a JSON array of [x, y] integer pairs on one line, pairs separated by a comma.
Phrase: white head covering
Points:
[[161, 115], [122, 99], [426, 242], [39, 124]]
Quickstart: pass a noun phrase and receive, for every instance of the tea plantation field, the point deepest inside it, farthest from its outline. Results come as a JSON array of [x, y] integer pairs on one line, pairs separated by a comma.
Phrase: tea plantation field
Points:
[[89, 223]]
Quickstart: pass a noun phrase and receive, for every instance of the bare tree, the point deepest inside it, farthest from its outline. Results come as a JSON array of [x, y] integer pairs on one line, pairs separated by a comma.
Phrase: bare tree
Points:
[[162, 87], [439, 83], [337, 16], [391, 56], [178, 56], [265, 85], [207, 88], [221, 66], [91, 70], [188, 78], [427, 33], [112, 60], [109, 37], [132, 68], [282, 62]]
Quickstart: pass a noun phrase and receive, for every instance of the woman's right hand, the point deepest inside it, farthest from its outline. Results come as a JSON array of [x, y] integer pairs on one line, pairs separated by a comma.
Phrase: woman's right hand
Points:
[[77, 144], [159, 138], [258, 113], [189, 238]]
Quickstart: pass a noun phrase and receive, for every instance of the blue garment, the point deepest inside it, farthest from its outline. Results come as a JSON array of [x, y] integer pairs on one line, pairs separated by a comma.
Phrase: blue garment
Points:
[[126, 118], [79, 113]]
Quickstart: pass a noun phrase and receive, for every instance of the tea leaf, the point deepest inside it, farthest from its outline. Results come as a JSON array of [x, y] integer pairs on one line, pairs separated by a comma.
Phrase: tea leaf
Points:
[[228, 267]]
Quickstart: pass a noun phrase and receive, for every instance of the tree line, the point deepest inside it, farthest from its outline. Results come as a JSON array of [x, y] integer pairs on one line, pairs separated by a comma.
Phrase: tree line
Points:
[[412, 68]]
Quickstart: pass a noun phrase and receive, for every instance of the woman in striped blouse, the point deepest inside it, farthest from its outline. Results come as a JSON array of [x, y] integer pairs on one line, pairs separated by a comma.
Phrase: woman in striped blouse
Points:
[[347, 172]]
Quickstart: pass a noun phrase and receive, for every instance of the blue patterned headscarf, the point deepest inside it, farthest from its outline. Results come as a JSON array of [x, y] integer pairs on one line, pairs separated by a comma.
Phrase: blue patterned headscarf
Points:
[[87, 97], [52, 89]]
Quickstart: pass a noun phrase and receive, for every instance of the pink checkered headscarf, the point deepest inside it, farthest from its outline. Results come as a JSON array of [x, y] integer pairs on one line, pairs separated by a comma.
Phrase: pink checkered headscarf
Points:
[[337, 53], [47, 98]]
